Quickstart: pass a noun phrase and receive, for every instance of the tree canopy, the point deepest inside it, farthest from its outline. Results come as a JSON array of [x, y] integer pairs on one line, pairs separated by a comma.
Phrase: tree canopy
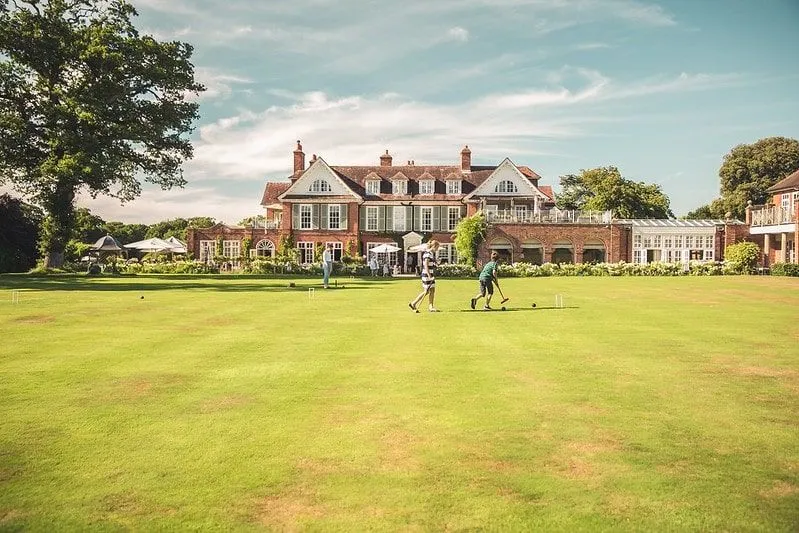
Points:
[[89, 104], [604, 188], [747, 171], [19, 232]]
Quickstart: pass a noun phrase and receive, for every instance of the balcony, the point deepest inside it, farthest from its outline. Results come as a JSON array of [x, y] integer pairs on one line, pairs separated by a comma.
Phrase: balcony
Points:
[[549, 216], [265, 224], [772, 216]]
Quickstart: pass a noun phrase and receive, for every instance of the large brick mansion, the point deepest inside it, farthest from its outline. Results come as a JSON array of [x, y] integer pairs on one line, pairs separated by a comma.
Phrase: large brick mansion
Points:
[[359, 207]]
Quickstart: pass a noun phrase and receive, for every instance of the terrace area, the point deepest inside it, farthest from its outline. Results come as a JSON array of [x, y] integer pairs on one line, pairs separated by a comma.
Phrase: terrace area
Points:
[[767, 215], [548, 216]]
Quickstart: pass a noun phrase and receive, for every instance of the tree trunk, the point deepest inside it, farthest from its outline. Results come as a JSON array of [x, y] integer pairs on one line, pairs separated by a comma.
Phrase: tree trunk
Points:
[[57, 229]]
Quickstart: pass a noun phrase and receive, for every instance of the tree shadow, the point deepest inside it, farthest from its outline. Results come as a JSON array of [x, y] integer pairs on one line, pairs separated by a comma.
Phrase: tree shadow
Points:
[[180, 282]]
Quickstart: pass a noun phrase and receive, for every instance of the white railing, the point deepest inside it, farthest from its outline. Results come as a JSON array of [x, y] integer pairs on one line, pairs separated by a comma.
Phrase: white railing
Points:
[[265, 224], [551, 216], [772, 216]]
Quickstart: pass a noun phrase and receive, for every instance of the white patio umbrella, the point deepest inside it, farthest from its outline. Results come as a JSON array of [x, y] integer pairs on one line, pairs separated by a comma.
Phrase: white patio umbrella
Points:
[[385, 248], [151, 245], [178, 246]]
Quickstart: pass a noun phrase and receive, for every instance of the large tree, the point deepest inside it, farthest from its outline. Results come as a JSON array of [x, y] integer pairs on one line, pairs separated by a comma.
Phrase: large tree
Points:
[[19, 231], [604, 188], [747, 171], [87, 103]]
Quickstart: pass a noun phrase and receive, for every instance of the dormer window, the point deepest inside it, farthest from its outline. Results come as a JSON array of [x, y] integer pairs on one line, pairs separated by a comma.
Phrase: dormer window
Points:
[[427, 187], [373, 187], [399, 187], [506, 186], [454, 187], [321, 186]]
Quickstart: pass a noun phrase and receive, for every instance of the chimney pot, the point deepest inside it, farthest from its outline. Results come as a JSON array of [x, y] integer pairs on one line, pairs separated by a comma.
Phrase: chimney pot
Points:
[[299, 159], [466, 159]]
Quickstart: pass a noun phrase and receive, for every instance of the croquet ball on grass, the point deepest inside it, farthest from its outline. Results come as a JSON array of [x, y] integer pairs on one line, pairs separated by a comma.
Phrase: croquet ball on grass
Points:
[[533, 304], [141, 297], [503, 308]]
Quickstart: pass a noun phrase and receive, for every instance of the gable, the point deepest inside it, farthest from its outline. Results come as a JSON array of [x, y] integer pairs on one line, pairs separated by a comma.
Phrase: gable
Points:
[[506, 173], [318, 180]]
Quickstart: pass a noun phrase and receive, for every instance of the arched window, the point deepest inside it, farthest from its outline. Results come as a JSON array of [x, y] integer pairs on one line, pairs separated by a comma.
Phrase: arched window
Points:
[[265, 248], [506, 186], [321, 186]]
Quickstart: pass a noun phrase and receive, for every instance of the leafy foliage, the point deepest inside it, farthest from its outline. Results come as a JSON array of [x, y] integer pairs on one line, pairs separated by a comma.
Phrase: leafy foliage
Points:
[[89, 103], [19, 232], [747, 171], [469, 233], [785, 269], [744, 254], [604, 188]]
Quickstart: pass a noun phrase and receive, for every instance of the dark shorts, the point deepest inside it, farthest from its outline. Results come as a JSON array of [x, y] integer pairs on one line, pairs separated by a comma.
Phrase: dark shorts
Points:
[[486, 286]]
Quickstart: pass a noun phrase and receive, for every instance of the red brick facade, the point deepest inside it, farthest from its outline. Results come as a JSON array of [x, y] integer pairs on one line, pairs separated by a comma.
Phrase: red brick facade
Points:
[[392, 189]]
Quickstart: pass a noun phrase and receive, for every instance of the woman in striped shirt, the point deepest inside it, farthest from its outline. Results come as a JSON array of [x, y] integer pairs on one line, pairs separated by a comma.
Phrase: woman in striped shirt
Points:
[[428, 278]]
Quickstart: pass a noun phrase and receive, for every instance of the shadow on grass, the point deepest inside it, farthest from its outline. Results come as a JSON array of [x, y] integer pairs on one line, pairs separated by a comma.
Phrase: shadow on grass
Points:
[[228, 283], [509, 309]]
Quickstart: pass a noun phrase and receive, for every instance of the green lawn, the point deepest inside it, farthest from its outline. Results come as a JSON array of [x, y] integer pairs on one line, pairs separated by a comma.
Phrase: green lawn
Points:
[[240, 403]]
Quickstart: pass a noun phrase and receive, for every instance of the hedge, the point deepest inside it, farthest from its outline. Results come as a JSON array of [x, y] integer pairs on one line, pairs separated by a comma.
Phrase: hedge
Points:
[[785, 269]]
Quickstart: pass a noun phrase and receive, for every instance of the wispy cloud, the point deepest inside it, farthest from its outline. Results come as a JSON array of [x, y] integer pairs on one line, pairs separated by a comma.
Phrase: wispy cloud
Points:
[[253, 145], [218, 84], [458, 34]]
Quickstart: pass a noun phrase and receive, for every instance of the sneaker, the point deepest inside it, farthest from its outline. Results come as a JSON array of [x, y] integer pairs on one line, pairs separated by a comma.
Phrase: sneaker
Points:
[[472, 303], [413, 308], [486, 308], [433, 310]]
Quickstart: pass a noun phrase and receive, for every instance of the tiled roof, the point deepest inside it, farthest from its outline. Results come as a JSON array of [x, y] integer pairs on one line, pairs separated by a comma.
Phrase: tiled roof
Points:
[[355, 177], [272, 190], [790, 183]]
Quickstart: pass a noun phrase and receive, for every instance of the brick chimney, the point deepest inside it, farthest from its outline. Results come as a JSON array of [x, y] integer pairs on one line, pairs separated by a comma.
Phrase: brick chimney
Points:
[[466, 159], [385, 160], [299, 159]]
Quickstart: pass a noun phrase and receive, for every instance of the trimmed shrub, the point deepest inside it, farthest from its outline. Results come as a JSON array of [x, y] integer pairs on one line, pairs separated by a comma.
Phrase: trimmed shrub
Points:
[[785, 269], [742, 256]]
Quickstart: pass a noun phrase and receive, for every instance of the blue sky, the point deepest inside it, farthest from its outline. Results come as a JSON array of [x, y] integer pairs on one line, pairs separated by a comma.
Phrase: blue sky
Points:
[[662, 90]]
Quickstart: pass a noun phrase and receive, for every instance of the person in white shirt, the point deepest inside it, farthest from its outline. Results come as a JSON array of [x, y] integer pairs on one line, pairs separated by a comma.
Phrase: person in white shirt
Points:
[[327, 264], [373, 266]]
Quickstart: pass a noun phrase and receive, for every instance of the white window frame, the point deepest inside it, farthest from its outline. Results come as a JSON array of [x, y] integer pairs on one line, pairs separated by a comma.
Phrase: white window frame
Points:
[[637, 240], [709, 255], [426, 211], [265, 248], [785, 200], [399, 219], [427, 186], [334, 208], [372, 215], [399, 187], [338, 249], [453, 217], [449, 252], [506, 186], [207, 250], [453, 186], [321, 185], [231, 248], [303, 209], [373, 187], [689, 241], [306, 252], [520, 211]]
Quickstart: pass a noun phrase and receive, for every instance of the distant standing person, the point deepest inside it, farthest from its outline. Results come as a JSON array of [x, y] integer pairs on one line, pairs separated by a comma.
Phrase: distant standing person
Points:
[[428, 278], [488, 277], [327, 264]]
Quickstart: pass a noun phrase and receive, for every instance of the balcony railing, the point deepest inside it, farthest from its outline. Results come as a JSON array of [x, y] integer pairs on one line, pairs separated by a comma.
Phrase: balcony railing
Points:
[[772, 216], [549, 216], [265, 224]]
